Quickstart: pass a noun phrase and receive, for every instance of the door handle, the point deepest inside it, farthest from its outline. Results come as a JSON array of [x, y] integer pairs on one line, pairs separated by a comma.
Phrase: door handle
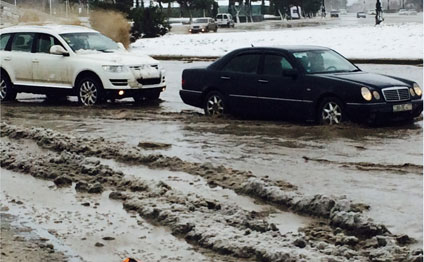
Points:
[[263, 81], [7, 58], [225, 77]]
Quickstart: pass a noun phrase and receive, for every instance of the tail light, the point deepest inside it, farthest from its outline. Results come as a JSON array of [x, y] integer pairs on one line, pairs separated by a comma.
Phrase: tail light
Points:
[[183, 82]]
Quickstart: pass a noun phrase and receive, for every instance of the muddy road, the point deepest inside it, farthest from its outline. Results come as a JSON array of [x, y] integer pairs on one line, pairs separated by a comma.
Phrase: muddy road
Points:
[[161, 182]]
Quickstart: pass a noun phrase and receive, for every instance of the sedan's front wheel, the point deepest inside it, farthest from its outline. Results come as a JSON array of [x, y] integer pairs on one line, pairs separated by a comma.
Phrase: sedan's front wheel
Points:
[[89, 91], [6, 90], [214, 104], [331, 111]]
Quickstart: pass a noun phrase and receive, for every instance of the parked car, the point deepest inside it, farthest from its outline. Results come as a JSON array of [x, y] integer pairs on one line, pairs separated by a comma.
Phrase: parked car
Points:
[[334, 13], [361, 15], [372, 12], [203, 25], [412, 12], [224, 20], [300, 82], [73, 60]]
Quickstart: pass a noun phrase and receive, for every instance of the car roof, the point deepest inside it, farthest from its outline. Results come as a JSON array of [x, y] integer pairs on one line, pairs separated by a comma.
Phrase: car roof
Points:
[[289, 48], [59, 29]]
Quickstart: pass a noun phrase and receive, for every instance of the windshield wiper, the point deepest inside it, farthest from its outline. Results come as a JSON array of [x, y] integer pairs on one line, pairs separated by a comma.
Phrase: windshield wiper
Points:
[[356, 70], [106, 50]]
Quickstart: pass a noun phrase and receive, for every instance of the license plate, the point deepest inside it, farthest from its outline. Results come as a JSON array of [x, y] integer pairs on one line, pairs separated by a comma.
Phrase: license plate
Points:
[[400, 108]]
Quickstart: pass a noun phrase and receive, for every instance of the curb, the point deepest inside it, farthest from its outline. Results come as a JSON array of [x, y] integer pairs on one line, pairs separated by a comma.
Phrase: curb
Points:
[[387, 61]]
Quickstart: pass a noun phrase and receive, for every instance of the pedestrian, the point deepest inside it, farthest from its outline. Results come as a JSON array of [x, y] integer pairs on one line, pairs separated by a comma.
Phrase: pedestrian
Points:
[[378, 13]]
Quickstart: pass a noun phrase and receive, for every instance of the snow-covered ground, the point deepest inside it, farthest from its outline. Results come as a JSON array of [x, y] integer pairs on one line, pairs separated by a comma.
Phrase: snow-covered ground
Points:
[[389, 41]]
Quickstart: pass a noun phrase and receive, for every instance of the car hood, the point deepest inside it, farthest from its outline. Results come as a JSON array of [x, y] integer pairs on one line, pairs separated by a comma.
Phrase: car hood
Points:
[[119, 57], [367, 79]]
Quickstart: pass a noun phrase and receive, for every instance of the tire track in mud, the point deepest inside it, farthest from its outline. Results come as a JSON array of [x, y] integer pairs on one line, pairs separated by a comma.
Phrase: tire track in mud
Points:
[[208, 223], [366, 166]]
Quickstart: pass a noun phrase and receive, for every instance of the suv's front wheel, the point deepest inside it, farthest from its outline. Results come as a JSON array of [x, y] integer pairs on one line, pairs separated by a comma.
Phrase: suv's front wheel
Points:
[[6, 89], [89, 91]]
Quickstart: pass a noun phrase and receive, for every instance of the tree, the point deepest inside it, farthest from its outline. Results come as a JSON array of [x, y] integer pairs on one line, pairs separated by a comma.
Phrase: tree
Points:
[[188, 5], [148, 22]]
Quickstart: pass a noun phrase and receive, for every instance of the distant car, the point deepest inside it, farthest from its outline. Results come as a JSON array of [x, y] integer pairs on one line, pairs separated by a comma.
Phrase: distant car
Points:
[[203, 25], [334, 13], [343, 11], [299, 82], [403, 12], [372, 12], [412, 12], [74, 60], [224, 20], [361, 15]]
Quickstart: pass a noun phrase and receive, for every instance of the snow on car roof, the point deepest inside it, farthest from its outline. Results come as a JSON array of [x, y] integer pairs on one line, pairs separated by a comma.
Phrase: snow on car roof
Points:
[[49, 28]]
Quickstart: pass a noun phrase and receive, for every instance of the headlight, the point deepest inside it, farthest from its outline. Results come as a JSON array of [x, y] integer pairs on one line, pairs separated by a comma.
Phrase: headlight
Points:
[[411, 91], [417, 89], [114, 68], [376, 95], [366, 93]]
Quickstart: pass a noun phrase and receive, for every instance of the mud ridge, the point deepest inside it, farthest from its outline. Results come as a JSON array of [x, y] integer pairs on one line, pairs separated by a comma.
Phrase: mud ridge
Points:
[[225, 229], [340, 211], [366, 166]]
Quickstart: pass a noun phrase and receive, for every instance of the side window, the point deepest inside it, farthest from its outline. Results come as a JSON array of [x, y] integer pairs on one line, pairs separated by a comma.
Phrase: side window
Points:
[[275, 64], [219, 17], [3, 41], [243, 64], [22, 42], [44, 42]]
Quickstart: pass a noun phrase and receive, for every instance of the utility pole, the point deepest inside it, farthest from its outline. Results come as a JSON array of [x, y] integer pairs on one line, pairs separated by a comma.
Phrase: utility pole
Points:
[[50, 5]]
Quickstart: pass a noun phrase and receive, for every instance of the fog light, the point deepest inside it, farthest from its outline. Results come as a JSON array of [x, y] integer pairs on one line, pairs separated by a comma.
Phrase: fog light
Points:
[[121, 92], [376, 95], [163, 89]]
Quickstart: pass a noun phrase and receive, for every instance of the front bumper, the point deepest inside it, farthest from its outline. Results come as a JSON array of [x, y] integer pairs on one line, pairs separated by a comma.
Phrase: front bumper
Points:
[[142, 92], [377, 112]]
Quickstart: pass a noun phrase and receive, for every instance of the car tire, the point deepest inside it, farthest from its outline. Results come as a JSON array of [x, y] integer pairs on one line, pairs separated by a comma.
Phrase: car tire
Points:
[[330, 111], [214, 104], [7, 93], [216, 29], [90, 91]]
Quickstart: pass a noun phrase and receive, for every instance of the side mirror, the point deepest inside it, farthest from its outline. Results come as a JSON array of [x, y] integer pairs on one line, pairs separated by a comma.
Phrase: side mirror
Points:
[[121, 46], [290, 73], [58, 50]]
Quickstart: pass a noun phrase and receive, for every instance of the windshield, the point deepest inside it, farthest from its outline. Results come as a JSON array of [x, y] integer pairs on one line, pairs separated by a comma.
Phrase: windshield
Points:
[[324, 61], [200, 21], [90, 41]]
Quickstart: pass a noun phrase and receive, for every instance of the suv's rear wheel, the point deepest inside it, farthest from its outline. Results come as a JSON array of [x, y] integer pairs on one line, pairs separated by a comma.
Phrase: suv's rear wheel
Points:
[[90, 91], [6, 90]]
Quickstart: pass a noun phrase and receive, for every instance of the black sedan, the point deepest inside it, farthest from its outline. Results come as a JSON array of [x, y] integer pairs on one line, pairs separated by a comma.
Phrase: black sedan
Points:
[[300, 82]]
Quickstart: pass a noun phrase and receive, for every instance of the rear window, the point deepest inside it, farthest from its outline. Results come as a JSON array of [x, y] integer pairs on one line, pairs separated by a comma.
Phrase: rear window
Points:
[[3, 40], [22, 42]]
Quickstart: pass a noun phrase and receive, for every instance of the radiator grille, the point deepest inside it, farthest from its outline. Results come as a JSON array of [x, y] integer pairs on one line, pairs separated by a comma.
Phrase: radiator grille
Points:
[[396, 94]]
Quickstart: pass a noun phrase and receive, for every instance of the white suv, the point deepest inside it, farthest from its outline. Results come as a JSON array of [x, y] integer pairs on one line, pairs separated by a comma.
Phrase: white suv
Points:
[[72, 60]]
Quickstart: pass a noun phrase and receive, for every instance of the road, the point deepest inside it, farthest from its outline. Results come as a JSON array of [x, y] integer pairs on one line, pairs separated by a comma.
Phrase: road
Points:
[[376, 167]]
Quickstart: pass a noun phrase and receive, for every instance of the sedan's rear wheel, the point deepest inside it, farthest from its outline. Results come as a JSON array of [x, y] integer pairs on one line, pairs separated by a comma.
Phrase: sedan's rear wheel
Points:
[[6, 90], [89, 91], [214, 104], [331, 111]]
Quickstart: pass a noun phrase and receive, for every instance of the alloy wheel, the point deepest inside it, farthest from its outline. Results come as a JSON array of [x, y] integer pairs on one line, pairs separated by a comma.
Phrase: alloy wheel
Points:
[[215, 106], [88, 93], [3, 89], [331, 113]]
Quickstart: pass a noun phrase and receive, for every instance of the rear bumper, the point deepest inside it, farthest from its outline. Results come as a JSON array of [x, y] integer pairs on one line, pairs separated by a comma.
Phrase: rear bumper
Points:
[[190, 97], [376, 112]]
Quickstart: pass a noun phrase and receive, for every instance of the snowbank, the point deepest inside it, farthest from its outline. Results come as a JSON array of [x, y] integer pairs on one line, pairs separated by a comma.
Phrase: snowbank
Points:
[[396, 41]]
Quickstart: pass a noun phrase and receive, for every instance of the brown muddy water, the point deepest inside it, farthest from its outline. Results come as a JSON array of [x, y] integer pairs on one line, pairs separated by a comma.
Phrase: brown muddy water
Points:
[[379, 167]]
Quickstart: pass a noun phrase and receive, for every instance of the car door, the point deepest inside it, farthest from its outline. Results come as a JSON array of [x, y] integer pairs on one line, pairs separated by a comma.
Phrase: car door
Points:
[[19, 59], [279, 93], [239, 78], [50, 70]]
